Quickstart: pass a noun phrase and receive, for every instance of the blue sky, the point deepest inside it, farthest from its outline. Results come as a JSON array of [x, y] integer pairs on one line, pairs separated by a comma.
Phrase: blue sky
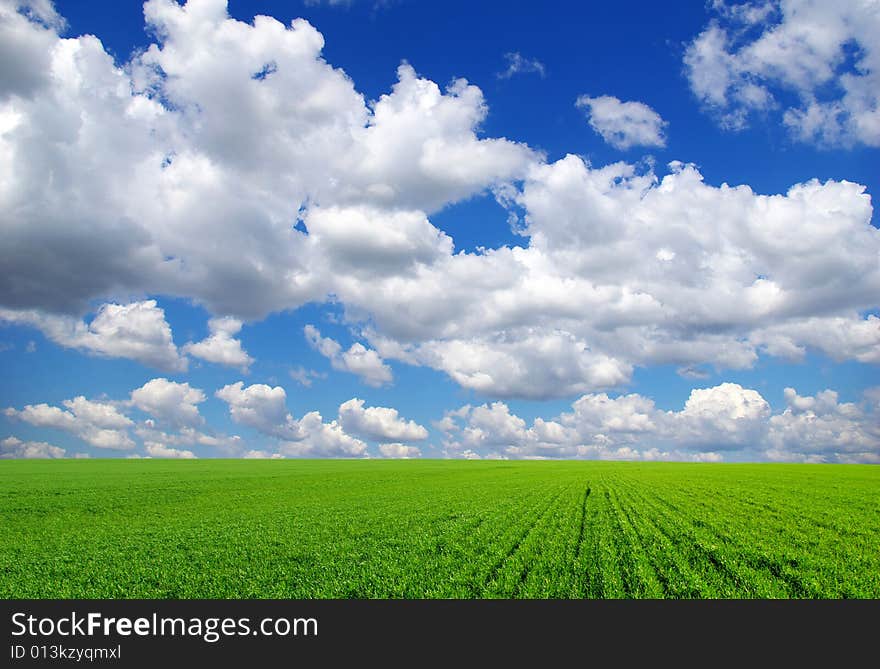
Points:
[[367, 229]]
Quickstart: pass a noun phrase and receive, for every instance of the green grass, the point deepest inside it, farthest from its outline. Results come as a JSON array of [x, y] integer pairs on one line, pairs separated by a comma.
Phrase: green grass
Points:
[[437, 529]]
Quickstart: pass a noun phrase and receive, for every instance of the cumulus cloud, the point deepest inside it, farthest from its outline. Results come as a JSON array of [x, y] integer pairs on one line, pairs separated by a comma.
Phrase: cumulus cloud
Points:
[[320, 439], [533, 363], [221, 130], [156, 450], [723, 422], [98, 414], [396, 450], [724, 417], [820, 428], [103, 425], [265, 409], [189, 436], [27, 32], [15, 448], [378, 423], [838, 337], [420, 150], [137, 331], [173, 403], [221, 346], [41, 11], [367, 241], [625, 268], [518, 64], [261, 407], [97, 423], [623, 124], [816, 62], [261, 455], [359, 360]]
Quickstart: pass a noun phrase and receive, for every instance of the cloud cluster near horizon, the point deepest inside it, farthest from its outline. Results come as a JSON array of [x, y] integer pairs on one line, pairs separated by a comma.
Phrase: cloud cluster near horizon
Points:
[[724, 422]]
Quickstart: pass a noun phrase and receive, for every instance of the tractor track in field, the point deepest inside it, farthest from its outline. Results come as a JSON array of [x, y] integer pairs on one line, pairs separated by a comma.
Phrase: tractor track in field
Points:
[[578, 549]]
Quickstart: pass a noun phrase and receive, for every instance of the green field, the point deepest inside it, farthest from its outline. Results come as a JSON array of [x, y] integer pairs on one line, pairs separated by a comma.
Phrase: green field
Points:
[[436, 529]]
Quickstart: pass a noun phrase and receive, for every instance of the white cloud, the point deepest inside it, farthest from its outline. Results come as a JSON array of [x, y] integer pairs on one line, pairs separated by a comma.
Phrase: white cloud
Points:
[[230, 446], [841, 338], [97, 414], [221, 346], [305, 377], [367, 241], [24, 46], [137, 331], [156, 450], [820, 428], [222, 130], [623, 124], [420, 150], [396, 450], [103, 425], [726, 421], [366, 364], [261, 455], [265, 409], [740, 274], [41, 11], [533, 363], [469, 455], [358, 360], [15, 448], [43, 415], [329, 348], [378, 423], [518, 64], [320, 439], [747, 63], [261, 407], [97, 423], [173, 403], [726, 416]]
